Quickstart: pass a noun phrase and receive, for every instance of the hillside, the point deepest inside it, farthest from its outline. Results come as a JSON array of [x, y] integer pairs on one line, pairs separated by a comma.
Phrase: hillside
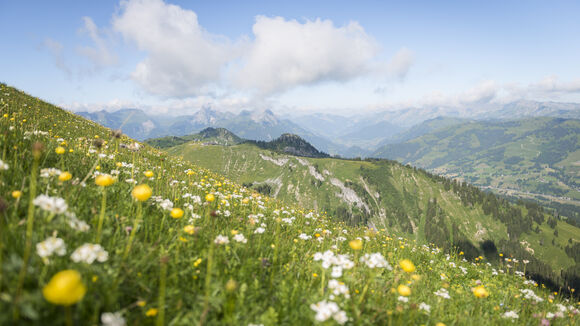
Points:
[[385, 194], [217, 136], [534, 158], [84, 241]]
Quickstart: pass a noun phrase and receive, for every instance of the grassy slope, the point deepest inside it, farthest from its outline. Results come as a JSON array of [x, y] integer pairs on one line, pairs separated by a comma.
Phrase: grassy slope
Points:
[[173, 277], [502, 156], [404, 188]]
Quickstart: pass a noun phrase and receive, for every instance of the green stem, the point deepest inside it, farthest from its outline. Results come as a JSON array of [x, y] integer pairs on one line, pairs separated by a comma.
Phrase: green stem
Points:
[[162, 285], [29, 227], [208, 277], [68, 316], [102, 215], [133, 232]]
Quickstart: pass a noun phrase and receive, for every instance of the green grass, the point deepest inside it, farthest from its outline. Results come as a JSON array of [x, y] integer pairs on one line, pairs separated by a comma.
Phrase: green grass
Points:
[[176, 278]]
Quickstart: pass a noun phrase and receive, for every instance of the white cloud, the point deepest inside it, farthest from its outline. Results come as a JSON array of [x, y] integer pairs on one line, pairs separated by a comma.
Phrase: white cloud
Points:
[[482, 93], [55, 48], [553, 85], [401, 63], [100, 55], [287, 53], [182, 57]]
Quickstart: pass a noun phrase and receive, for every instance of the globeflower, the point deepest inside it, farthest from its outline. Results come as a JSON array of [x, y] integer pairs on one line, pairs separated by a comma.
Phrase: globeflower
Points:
[[404, 290], [177, 213], [104, 180], [65, 176], [407, 265], [16, 194], [355, 244], [141, 192], [64, 288], [480, 292], [59, 150], [209, 197], [148, 174]]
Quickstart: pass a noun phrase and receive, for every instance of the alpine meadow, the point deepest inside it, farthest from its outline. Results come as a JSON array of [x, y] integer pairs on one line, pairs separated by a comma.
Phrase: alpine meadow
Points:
[[264, 163]]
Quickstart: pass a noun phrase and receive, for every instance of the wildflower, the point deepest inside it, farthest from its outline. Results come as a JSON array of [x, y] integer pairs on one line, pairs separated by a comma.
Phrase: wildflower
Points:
[[16, 194], [166, 204], [112, 319], [177, 213], [50, 246], [151, 312], [141, 192], [259, 230], [189, 229], [231, 285], [404, 290], [148, 174], [77, 224], [338, 288], [49, 172], [425, 307], [59, 150], [4, 166], [375, 260], [104, 180], [442, 293], [209, 198], [407, 265], [355, 244], [480, 292], [326, 310], [304, 236], [65, 176], [53, 205], [64, 288], [88, 253], [240, 238], [221, 239], [403, 299], [510, 314]]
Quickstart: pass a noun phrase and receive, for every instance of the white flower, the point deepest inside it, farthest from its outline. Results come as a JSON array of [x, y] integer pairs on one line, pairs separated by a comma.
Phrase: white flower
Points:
[[336, 272], [259, 230], [305, 236], [510, 314], [338, 288], [53, 205], [221, 239], [375, 260], [442, 293], [50, 246], [425, 307], [4, 166], [403, 299], [112, 319], [77, 224], [166, 204], [326, 310], [49, 172], [240, 238], [88, 253]]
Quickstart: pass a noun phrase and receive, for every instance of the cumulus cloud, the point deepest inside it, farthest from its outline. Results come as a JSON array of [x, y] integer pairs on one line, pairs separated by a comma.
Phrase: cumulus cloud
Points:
[[552, 84], [182, 57], [100, 54], [481, 93], [287, 53], [401, 63]]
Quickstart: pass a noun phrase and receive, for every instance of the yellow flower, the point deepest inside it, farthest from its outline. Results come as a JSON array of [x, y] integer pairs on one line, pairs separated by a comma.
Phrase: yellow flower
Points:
[[16, 194], [234, 232], [209, 197], [407, 265], [141, 192], [439, 324], [65, 176], [416, 277], [197, 262], [404, 290], [231, 285], [355, 244], [148, 174], [177, 213], [65, 288], [141, 303], [480, 292], [59, 150], [104, 180], [189, 229], [151, 312]]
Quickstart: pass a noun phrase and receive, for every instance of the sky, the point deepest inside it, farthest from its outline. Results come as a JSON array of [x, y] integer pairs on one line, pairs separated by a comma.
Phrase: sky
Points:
[[293, 57]]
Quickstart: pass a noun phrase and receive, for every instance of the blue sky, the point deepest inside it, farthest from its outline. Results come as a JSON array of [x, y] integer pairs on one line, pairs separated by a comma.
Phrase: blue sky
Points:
[[290, 56]]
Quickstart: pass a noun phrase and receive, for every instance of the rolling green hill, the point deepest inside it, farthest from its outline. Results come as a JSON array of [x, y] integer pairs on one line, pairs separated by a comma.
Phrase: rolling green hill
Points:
[[218, 136], [98, 229], [534, 158], [387, 195]]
